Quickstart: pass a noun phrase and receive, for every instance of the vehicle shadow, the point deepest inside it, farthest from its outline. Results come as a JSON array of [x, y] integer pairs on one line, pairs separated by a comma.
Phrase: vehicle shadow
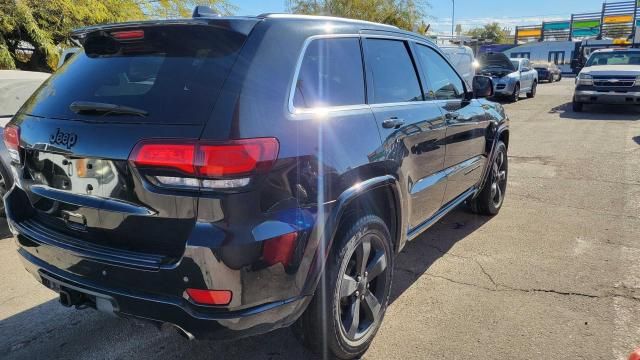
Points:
[[637, 139], [418, 255], [49, 330], [598, 112]]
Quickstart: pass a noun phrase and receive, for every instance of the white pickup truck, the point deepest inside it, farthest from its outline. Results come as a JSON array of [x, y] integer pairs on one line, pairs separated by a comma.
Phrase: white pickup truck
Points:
[[610, 76]]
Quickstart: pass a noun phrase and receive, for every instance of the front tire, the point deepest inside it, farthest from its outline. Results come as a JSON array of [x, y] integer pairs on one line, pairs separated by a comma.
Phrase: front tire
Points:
[[491, 197], [577, 106], [516, 94], [357, 284]]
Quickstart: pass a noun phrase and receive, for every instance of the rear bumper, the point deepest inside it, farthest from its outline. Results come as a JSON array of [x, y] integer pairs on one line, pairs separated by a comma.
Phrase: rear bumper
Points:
[[198, 321], [608, 97], [265, 297]]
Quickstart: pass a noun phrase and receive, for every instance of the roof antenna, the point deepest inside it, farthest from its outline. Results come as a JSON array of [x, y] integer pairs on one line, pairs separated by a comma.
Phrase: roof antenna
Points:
[[204, 11]]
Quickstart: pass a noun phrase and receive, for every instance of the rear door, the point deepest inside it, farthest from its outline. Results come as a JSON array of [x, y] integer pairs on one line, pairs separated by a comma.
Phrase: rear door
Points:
[[131, 84], [466, 123], [412, 129]]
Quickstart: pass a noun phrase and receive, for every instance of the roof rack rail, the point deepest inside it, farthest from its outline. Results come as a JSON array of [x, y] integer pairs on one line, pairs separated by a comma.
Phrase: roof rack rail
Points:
[[201, 11]]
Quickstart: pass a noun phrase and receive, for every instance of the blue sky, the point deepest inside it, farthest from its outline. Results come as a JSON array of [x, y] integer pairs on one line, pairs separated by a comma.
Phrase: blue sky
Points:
[[469, 13]]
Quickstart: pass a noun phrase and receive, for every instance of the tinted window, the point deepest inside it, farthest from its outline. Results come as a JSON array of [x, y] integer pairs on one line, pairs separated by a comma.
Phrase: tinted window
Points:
[[175, 74], [444, 81], [394, 76], [330, 74]]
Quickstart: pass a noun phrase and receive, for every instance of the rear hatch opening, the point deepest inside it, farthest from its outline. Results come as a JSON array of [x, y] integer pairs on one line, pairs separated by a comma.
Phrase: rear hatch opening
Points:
[[131, 83]]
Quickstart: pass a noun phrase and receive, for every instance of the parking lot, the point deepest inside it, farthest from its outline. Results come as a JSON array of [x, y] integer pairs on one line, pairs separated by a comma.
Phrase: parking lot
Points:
[[554, 276]]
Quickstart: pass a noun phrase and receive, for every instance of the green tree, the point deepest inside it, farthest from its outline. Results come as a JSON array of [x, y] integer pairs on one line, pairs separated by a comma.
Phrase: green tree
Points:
[[33, 32], [405, 14], [492, 32]]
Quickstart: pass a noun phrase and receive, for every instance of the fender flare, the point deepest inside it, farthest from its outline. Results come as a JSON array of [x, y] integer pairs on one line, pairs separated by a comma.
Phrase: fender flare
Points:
[[492, 154], [332, 222]]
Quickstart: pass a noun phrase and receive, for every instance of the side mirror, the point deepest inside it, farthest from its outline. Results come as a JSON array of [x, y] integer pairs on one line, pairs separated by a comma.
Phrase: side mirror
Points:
[[482, 87]]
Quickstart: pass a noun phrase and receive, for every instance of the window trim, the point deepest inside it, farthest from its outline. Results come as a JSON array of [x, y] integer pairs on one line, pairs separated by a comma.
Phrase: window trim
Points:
[[292, 90], [366, 106]]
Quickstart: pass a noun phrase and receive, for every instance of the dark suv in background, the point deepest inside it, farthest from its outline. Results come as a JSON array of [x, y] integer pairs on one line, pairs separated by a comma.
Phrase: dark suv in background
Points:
[[230, 176]]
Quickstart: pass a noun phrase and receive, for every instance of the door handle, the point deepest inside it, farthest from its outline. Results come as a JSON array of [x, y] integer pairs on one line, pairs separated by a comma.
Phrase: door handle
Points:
[[392, 123], [451, 116]]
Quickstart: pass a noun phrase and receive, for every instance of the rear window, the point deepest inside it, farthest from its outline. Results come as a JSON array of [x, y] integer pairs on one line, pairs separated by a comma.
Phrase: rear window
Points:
[[173, 74]]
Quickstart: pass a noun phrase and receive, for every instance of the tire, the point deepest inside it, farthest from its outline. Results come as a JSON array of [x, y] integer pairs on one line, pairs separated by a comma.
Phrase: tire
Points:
[[516, 94], [531, 94], [348, 286], [560, 77], [490, 199], [3, 191], [577, 106], [551, 78]]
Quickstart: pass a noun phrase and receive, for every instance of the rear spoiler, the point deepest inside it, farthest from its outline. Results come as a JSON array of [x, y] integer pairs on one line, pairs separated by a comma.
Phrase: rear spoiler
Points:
[[242, 25]]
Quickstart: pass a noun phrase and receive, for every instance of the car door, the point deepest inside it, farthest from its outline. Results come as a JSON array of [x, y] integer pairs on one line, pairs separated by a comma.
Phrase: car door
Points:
[[412, 129], [466, 121], [526, 75]]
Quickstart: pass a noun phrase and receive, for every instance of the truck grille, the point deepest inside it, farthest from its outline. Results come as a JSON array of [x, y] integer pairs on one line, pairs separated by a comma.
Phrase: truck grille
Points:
[[614, 81]]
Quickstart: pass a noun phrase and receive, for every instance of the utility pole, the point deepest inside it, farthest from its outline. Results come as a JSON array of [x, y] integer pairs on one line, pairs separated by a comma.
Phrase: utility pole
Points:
[[453, 15]]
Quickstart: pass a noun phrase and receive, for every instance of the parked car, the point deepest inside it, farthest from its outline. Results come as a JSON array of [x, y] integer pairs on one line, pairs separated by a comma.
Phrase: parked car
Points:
[[511, 77], [610, 76], [15, 88], [463, 60], [243, 179], [548, 72]]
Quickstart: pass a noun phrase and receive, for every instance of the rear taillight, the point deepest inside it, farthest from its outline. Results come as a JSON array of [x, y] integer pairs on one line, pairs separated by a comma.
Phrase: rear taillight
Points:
[[206, 165], [11, 137]]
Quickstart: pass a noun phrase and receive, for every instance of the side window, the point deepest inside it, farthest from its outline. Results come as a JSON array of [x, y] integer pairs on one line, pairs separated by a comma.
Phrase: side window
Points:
[[444, 81], [331, 74], [394, 76]]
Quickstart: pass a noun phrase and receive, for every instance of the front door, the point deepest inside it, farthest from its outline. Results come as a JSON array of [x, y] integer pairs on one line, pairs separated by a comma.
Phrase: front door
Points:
[[465, 120], [412, 129]]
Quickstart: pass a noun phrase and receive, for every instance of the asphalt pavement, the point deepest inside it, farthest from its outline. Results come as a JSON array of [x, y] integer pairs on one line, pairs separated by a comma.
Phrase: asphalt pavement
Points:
[[554, 276]]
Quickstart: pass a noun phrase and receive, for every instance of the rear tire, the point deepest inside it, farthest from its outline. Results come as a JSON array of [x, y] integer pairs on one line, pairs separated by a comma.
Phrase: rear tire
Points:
[[577, 106], [560, 77], [357, 285], [531, 94], [491, 197]]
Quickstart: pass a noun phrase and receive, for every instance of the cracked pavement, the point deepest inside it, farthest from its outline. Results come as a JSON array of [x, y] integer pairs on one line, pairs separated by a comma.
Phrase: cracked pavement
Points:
[[554, 276]]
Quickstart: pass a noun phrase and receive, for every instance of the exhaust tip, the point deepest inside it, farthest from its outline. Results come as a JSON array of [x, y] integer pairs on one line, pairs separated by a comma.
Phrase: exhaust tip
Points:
[[168, 326]]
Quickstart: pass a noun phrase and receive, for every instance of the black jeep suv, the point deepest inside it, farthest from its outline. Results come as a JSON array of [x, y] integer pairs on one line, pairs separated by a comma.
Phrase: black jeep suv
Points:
[[229, 176]]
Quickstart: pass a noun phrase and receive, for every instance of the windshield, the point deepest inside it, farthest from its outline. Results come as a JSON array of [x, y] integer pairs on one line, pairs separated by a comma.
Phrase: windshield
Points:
[[515, 63], [172, 76], [615, 58]]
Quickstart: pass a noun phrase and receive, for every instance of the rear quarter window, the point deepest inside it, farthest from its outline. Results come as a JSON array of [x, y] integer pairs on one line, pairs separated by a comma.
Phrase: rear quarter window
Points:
[[175, 74], [331, 74]]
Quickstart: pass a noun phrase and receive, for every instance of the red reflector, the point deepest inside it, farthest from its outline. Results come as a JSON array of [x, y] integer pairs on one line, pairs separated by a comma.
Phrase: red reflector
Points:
[[210, 297], [175, 156], [237, 158], [128, 35], [279, 249], [11, 137]]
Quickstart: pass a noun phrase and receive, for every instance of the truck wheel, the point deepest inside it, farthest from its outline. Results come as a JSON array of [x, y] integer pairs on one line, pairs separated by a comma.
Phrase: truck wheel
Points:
[[357, 284], [491, 197], [577, 106], [532, 93], [516, 94]]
